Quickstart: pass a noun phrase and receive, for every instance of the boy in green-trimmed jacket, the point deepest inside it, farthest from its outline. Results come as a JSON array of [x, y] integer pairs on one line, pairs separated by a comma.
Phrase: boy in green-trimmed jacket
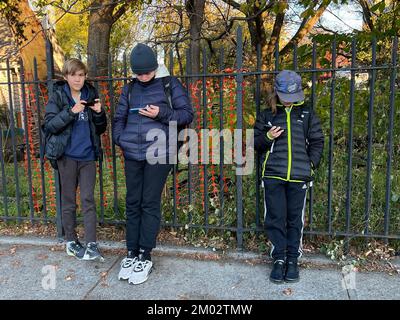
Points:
[[289, 137]]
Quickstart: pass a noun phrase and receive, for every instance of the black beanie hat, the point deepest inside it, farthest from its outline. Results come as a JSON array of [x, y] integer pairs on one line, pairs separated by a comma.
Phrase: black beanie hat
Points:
[[143, 59]]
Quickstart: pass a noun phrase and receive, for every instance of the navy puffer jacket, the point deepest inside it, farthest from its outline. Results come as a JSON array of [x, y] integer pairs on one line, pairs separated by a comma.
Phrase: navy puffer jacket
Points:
[[130, 130]]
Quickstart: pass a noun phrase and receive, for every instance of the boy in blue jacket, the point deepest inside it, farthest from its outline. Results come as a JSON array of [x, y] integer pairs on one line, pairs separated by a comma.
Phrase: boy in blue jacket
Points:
[[289, 137], [144, 106]]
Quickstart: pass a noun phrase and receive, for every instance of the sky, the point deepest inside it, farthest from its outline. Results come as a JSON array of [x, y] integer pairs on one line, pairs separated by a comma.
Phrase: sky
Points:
[[339, 18], [344, 19]]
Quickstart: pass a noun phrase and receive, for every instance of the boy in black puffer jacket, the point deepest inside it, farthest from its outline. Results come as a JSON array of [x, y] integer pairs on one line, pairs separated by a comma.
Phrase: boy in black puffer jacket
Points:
[[73, 145], [290, 140]]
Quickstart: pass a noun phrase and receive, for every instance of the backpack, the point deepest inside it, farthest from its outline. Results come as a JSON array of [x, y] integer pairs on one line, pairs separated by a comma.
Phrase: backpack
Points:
[[45, 137], [166, 81]]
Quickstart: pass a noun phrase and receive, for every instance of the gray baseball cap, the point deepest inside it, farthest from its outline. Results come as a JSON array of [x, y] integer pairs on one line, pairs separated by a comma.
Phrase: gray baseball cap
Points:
[[288, 86]]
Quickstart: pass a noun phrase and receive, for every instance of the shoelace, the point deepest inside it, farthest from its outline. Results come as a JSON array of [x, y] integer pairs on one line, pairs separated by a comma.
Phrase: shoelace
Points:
[[127, 262], [92, 247], [76, 246], [141, 265]]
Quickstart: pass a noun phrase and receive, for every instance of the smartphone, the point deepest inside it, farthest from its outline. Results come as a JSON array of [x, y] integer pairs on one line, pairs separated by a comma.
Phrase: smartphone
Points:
[[90, 103], [268, 126], [134, 110]]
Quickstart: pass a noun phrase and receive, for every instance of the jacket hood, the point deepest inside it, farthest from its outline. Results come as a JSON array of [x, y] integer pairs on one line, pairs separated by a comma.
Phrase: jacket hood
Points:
[[161, 72]]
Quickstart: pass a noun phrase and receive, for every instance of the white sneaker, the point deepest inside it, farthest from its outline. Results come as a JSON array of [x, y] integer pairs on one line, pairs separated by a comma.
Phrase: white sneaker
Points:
[[127, 265], [141, 271]]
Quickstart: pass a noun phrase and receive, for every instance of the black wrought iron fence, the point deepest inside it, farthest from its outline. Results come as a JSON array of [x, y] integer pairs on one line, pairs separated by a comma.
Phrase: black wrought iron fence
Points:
[[357, 189]]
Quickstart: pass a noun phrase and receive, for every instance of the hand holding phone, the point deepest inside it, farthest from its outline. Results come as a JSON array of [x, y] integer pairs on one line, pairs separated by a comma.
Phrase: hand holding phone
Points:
[[150, 111], [94, 105], [273, 131]]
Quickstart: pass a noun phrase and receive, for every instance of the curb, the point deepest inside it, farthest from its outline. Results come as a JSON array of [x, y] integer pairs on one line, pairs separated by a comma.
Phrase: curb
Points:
[[312, 260]]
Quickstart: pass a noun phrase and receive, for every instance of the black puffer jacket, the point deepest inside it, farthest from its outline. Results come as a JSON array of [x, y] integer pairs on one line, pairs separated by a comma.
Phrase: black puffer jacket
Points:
[[293, 155], [59, 120]]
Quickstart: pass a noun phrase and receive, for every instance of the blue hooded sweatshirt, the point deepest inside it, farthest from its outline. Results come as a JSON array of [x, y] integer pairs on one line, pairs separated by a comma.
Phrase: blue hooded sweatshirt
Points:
[[80, 146]]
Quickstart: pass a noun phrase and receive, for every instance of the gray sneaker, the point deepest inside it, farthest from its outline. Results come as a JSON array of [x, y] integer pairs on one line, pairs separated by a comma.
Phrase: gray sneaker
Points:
[[75, 249], [127, 266], [92, 252], [141, 271]]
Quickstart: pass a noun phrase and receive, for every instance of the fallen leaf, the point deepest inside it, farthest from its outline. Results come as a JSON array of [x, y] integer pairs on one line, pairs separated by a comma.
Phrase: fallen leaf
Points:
[[16, 264], [69, 277], [42, 256], [288, 291]]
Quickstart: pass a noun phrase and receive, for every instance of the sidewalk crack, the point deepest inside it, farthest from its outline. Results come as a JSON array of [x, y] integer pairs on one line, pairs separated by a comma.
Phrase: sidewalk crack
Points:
[[101, 278]]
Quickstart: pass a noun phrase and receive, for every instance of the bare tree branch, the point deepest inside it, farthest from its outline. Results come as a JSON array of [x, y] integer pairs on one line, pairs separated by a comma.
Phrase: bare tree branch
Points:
[[367, 14], [276, 31], [121, 10], [305, 27], [264, 8]]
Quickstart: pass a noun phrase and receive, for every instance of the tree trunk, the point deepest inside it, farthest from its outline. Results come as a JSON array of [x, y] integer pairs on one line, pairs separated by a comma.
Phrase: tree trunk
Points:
[[101, 21], [195, 11]]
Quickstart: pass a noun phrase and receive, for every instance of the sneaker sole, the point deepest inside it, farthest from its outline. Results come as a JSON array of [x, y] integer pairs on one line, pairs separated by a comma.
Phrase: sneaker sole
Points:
[[131, 282], [292, 280], [276, 281], [140, 282], [123, 278], [100, 259]]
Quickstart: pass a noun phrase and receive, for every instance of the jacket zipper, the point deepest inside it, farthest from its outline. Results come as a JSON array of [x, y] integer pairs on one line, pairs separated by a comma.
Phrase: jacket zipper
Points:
[[288, 110]]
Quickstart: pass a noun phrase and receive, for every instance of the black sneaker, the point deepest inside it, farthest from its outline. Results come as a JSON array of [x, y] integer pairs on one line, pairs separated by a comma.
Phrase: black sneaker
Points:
[[292, 271], [92, 252], [278, 272], [75, 249]]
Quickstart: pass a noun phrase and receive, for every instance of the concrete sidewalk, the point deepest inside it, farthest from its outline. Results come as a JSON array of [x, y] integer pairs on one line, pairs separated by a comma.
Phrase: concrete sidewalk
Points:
[[33, 268]]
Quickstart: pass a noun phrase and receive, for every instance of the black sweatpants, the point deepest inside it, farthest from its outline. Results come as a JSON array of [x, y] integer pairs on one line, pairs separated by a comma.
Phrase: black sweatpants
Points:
[[144, 185], [284, 216], [72, 173]]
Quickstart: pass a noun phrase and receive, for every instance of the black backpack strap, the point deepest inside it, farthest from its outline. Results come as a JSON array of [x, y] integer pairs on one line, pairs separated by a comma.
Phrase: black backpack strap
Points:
[[167, 89], [130, 89]]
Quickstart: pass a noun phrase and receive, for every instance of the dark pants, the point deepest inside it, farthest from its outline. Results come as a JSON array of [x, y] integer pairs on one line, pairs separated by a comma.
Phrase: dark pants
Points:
[[73, 173], [144, 185], [284, 217]]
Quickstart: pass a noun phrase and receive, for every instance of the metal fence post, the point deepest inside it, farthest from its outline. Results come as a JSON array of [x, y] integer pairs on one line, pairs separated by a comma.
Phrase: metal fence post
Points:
[[239, 126]]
